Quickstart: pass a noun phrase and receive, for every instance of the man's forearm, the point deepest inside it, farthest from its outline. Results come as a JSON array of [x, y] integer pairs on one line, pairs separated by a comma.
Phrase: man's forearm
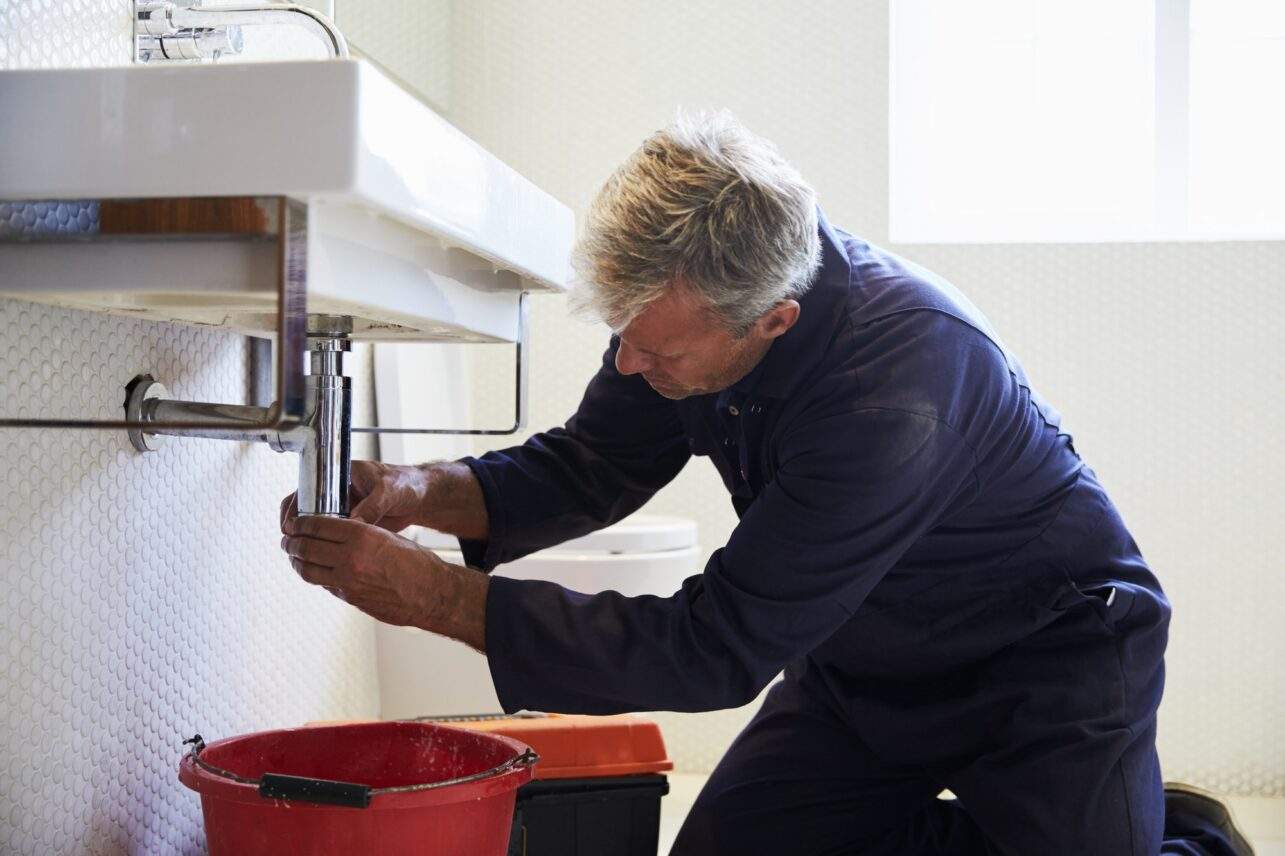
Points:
[[458, 605], [454, 503]]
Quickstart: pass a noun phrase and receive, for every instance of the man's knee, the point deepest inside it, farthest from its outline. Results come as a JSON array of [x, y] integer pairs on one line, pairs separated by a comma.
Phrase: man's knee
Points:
[[775, 817], [709, 828]]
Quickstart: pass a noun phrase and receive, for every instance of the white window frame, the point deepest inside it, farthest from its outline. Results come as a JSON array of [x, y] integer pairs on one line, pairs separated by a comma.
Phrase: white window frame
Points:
[[1171, 214]]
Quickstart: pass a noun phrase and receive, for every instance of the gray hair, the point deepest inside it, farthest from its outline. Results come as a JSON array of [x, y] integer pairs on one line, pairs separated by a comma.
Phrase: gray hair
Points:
[[705, 203]]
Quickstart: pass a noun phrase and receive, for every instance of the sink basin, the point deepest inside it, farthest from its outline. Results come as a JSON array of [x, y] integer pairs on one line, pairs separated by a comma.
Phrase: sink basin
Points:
[[412, 228]]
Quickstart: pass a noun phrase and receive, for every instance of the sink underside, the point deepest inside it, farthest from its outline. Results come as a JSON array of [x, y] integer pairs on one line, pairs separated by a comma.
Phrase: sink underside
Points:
[[412, 228]]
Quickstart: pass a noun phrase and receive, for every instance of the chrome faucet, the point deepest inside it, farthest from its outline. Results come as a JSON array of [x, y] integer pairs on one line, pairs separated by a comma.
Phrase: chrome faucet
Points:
[[188, 30], [323, 439]]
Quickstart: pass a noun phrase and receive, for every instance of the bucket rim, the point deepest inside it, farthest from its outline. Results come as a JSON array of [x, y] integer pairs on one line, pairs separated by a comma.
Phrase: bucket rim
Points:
[[508, 776]]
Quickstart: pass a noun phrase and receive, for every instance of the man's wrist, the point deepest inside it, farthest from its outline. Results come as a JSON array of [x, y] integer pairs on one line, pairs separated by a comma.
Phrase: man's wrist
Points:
[[456, 604], [453, 500]]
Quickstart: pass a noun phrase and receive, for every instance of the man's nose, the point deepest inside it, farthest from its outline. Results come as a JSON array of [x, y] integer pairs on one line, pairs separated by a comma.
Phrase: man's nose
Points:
[[629, 361]]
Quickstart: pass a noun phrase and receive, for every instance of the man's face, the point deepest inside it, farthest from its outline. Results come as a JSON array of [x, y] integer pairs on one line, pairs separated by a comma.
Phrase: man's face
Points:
[[681, 350]]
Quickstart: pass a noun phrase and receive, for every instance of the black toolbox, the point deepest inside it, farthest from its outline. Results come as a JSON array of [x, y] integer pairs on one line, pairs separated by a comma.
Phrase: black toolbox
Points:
[[600, 816], [597, 787]]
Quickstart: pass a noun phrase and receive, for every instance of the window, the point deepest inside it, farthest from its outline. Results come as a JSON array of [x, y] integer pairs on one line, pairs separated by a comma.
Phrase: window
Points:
[[1099, 120]]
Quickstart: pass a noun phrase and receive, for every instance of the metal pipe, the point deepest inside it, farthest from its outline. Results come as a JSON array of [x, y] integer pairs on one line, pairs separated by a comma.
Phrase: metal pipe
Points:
[[170, 410], [260, 356], [263, 13], [323, 440], [325, 463]]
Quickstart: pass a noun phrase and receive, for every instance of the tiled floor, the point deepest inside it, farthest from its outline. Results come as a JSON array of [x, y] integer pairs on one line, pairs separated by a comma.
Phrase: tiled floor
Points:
[[683, 788], [1262, 819]]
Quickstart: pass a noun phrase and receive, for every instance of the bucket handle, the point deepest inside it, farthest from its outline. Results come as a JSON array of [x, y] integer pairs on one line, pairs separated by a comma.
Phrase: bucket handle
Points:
[[327, 792]]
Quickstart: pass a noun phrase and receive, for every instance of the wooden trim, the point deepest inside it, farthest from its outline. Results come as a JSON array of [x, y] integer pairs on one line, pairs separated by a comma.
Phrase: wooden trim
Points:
[[217, 215]]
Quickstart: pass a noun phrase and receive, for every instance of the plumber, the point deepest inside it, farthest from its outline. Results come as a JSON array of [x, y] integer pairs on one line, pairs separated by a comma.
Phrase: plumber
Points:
[[952, 597]]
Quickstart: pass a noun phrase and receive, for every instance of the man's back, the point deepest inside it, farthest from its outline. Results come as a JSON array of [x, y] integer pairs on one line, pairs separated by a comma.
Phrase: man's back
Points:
[[882, 336]]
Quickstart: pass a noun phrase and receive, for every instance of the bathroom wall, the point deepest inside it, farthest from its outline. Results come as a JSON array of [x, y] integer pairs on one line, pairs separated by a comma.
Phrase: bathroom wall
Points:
[[411, 39], [144, 597], [1165, 358]]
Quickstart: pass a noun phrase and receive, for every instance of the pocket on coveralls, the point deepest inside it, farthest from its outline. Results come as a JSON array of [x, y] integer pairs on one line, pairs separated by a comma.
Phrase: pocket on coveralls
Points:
[[1111, 602]]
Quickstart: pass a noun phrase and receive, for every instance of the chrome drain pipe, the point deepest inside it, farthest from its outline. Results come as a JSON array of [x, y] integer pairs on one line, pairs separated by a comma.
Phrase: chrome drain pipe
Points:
[[325, 464], [323, 439]]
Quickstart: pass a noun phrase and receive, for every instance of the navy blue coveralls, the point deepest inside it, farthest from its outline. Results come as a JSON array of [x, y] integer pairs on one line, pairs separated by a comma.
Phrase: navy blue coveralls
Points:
[[952, 596]]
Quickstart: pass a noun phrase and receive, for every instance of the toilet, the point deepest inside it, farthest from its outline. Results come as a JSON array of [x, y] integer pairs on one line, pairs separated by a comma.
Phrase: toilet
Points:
[[423, 674]]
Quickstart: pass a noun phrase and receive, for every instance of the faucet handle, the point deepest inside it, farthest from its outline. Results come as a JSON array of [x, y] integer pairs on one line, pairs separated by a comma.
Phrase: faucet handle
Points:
[[159, 39], [154, 17], [197, 43]]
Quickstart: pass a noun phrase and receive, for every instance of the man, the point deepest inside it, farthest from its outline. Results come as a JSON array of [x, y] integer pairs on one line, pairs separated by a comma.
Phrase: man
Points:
[[952, 597]]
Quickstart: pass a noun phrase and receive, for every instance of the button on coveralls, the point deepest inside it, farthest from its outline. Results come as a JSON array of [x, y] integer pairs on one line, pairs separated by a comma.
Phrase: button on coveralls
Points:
[[954, 600]]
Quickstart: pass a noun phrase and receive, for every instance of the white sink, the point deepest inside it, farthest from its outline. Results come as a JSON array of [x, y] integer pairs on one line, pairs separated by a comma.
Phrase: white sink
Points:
[[413, 228]]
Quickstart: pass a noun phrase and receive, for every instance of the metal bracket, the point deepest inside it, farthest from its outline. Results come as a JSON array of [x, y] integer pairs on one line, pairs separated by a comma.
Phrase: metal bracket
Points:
[[287, 412], [155, 219], [522, 359]]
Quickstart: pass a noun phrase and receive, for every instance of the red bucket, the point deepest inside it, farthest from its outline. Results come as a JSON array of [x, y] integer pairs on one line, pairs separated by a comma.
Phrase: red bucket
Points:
[[378, 787]]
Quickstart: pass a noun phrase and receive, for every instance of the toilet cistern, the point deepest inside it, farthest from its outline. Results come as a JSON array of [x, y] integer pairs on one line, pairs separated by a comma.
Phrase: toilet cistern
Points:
[[323, 438]]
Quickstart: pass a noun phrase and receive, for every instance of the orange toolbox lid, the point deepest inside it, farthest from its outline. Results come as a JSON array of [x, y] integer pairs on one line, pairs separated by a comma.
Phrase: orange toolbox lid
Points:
[[578, 747]]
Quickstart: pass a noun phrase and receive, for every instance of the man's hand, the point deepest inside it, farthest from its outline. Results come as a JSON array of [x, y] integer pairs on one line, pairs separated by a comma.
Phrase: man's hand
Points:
[[442, 495], [383, 495], [388, 496], [388, 577]]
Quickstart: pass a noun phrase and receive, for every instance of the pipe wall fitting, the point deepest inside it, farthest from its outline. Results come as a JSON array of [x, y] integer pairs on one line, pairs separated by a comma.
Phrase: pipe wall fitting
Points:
[[323, 439]]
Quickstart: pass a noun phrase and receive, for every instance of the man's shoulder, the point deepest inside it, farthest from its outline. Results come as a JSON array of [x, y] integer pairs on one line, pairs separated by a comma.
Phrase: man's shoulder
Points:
[[908, 341], [885, 285]]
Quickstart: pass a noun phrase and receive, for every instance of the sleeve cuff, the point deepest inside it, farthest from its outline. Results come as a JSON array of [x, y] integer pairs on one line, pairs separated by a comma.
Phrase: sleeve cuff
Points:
[[485, 555], [502, 601]]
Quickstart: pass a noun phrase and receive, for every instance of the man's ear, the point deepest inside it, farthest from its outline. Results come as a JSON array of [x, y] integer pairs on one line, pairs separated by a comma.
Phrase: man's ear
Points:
[[777, 320]]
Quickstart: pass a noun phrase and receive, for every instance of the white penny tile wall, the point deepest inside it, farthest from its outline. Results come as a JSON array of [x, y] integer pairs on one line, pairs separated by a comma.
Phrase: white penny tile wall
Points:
[[143, 598]]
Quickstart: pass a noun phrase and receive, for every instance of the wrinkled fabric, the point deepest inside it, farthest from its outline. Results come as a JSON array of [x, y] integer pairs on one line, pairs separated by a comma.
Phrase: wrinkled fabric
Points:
[[919, 547], [903, 503]]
